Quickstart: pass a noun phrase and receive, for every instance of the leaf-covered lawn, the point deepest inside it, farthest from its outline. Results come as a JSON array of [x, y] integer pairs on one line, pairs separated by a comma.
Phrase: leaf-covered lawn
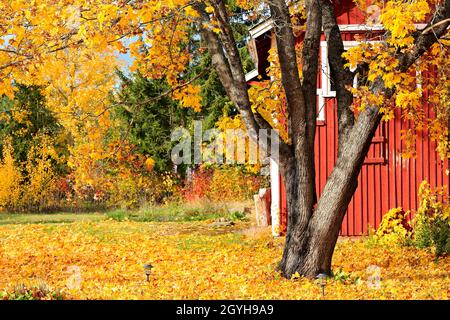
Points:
[[103, 260]]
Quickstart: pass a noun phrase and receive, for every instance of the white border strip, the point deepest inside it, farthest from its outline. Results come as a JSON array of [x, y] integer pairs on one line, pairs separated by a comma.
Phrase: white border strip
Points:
[[268, 25], [260, 29], [251, 75]]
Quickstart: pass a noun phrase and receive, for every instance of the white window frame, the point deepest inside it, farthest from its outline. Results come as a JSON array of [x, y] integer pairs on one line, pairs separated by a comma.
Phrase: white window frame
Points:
[[325, 67], [320, 106], [325, 91]]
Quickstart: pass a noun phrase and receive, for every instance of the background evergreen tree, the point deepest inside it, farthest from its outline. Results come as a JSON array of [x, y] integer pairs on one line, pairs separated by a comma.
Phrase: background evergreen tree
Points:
[[149, 114], [34, 119]]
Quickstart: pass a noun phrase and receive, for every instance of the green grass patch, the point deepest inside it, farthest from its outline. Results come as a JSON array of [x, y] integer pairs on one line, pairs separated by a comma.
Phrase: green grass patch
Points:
[[32, 218], [178, 213], [185, 212]]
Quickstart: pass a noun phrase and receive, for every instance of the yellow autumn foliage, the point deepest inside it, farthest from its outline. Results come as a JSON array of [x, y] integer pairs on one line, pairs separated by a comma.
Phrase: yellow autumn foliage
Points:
[[232, 184], [233, 128], [104, 260], [393, 228], [430, 227], [10, 178], [432, 220], [40, 190], [422, 91], [29, 185]]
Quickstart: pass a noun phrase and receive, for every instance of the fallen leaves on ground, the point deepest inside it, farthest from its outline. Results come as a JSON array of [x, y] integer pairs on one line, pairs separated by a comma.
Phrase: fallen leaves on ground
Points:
[[104, 260]]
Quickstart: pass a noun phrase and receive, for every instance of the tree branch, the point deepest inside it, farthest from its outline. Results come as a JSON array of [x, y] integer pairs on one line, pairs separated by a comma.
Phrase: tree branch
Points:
[[342, 77], [289, 72], [310, 62], [369, 120], [166, 93], [226, 60], [439, 24]]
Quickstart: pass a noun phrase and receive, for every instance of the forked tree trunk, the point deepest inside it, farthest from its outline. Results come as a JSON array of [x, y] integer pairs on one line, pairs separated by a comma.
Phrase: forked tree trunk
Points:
[[309, 246]]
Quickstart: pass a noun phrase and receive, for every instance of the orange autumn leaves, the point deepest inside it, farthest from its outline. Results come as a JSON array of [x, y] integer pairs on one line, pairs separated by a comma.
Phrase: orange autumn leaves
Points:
[[422, 92], [192, 261], [154, 33]]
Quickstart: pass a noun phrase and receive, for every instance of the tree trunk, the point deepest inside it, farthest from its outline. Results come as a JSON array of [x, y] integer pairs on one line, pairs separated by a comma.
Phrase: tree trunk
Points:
[[310, 245]]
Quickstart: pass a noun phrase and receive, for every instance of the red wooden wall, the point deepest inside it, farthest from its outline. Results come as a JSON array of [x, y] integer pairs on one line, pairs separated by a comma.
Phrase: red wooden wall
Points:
[[387, 180]]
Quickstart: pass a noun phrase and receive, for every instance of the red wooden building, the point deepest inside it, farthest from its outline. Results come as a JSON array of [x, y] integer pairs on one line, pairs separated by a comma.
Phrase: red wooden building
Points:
[[387, 180]]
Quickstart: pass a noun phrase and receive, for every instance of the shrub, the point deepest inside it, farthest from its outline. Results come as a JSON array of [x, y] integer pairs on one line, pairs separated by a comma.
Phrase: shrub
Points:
[[431, 223], [432, 220], [30, 185], [10, 178], [120, 177], [227, 183], [233, 184], [31, 291], [39, 190], [393, 228], [238, 215], [198, 186]]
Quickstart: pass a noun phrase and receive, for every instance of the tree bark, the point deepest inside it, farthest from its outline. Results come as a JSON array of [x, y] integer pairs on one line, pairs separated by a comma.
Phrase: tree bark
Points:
[[226, 60], [299, 170]]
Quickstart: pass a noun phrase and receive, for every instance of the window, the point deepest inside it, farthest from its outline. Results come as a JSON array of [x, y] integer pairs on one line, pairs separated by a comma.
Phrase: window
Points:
[[377, 154], [328, 89]]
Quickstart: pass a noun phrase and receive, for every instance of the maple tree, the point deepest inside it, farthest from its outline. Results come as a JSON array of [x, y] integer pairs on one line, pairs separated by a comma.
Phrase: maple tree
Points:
[[313, 225], [70, 47]]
